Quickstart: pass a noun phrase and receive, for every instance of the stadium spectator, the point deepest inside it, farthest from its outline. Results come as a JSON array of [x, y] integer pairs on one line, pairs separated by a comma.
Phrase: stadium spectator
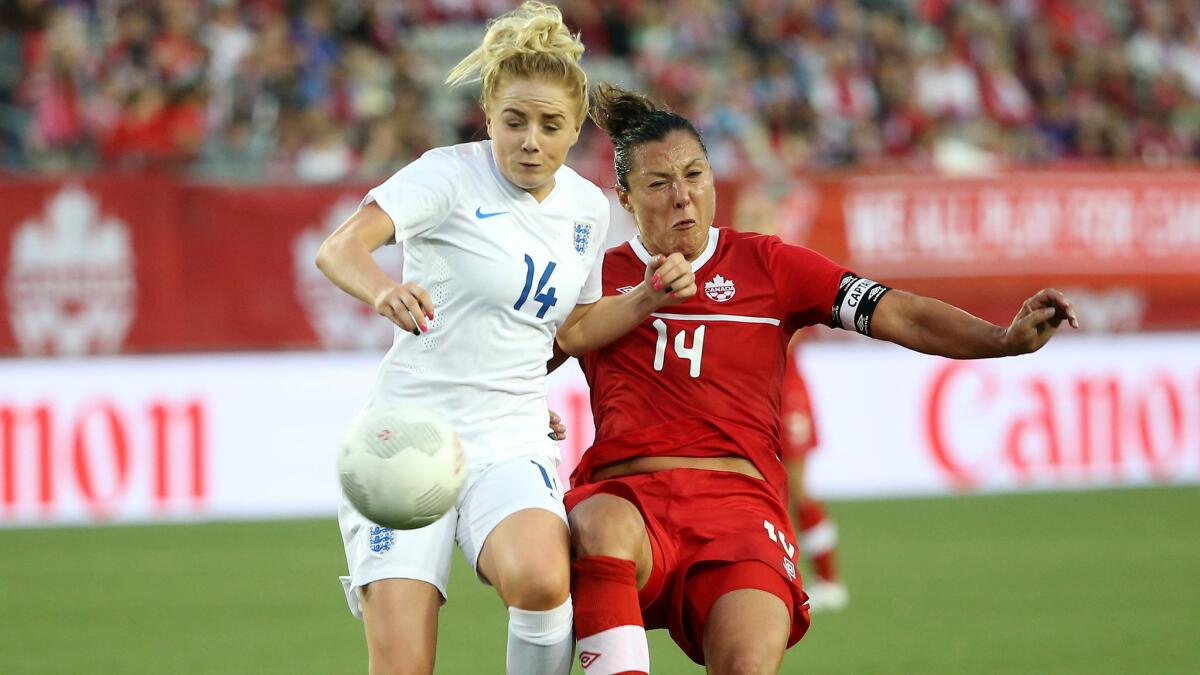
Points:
[[804, 85]]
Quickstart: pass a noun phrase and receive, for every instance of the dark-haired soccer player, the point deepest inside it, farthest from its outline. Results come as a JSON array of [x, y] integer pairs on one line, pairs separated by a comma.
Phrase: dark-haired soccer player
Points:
[[678, 511]]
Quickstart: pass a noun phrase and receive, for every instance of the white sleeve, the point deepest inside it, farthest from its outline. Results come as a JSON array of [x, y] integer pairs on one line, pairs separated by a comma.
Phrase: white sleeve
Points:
[[419, 197], [592, 288]]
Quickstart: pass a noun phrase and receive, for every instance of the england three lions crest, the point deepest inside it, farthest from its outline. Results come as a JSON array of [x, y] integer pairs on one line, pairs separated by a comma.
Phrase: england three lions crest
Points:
[[720, 289], [583, 232]]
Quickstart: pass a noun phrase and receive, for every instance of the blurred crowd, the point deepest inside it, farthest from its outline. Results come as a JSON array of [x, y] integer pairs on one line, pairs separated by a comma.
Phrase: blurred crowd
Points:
[[329, 90]]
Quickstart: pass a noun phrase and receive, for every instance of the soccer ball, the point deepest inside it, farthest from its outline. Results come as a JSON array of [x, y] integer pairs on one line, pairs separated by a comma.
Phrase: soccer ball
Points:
[[401, 466]]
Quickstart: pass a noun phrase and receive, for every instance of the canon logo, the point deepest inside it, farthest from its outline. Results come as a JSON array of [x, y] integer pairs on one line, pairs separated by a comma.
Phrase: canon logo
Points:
[[1077, 428], [103, 455]]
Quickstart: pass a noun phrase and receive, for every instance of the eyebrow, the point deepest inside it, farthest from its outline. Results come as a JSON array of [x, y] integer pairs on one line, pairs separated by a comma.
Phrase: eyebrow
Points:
[[667, 175], [522, 114]]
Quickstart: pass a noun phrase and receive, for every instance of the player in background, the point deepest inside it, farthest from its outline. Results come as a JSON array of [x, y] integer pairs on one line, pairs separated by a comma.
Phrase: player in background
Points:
[[678, 511], [799, 437], [818, 533], [503, 249]]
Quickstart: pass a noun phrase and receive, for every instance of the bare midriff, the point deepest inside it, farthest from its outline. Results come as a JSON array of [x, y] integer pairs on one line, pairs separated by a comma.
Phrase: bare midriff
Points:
[[651, 464]]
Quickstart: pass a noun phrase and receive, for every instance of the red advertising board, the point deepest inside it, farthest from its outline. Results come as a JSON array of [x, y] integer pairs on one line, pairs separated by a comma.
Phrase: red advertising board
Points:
[[107, 264]]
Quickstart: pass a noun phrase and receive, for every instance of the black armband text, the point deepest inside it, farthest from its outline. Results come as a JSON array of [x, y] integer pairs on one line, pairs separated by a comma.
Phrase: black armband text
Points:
[[855, 303]]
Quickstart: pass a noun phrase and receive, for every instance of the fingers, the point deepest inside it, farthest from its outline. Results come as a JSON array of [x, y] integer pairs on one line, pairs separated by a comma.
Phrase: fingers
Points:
[[1054, 298], [407, 305], [673, 276], [394, 310], [425, 300], [558, 430], [413, 306]]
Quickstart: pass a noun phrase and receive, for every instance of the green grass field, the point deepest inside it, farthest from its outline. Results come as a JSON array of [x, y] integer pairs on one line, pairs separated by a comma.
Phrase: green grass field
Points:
[[1097, 582]]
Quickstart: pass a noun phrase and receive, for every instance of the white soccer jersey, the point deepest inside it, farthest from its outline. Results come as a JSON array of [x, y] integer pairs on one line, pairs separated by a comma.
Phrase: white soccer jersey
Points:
[[504, 271]]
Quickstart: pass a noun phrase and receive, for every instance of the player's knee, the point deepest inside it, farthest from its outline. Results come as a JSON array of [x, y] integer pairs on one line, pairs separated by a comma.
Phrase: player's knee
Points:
[[745, 657], [543, 587], [606, 525], [538, 586]]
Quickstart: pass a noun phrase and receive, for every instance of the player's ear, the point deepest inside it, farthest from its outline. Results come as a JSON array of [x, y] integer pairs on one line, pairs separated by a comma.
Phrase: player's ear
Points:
[[488, 122], [623, 197]]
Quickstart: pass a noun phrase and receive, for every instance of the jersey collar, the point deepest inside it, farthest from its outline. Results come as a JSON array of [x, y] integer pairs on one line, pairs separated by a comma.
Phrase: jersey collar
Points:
[[713, 234]]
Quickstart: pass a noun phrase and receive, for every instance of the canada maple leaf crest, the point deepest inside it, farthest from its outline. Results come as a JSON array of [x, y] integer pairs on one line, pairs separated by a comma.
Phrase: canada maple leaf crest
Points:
[[719, 289], [340, 320], [70, 285]]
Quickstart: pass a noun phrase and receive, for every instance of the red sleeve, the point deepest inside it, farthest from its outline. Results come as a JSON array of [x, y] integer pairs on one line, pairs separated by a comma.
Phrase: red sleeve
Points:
[[806, 283]]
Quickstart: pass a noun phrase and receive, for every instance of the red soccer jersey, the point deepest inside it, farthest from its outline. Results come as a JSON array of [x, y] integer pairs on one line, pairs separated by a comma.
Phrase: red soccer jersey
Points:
[[703, 378]]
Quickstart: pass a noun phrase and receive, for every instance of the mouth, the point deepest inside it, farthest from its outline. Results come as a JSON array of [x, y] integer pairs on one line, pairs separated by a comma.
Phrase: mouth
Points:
[[529, 165], [685, 224]]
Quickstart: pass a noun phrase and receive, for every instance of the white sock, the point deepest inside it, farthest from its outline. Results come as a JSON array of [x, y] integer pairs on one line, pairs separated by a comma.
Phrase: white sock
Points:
[[541, 643]]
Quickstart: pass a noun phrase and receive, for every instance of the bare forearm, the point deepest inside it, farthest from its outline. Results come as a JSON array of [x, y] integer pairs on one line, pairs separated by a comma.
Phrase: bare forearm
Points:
[[347, 262], [606, 320], [560, 357], [934, 327]]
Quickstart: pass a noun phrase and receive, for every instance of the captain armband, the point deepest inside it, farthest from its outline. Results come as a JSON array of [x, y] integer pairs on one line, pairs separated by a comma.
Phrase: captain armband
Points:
[[855, 303]]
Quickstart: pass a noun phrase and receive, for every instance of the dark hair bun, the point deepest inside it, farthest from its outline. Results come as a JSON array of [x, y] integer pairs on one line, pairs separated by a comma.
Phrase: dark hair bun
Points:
[[616, 109]]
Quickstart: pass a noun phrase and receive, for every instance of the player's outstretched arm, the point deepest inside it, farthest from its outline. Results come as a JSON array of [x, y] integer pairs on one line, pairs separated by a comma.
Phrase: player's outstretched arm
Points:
[[669, 280], [934, 327], [345, 257]]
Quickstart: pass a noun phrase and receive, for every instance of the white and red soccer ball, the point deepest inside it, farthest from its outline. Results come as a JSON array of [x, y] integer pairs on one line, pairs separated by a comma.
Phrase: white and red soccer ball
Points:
[[401, 466]]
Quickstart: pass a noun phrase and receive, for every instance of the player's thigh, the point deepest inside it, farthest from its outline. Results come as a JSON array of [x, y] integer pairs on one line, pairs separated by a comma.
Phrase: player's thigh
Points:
[[396, 583], [607, 524], [400, 621], [526, 559], [374, 552], [737, 613], [513, 529], [746, 633]]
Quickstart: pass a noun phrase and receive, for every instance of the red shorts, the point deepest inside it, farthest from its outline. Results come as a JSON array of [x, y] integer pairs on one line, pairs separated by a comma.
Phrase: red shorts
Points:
[[711, 532], [799, 435]]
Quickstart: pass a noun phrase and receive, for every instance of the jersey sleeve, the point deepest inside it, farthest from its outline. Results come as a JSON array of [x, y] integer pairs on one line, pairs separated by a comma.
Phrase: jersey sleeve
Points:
[[592, 288], [806, 282], [419, 197]]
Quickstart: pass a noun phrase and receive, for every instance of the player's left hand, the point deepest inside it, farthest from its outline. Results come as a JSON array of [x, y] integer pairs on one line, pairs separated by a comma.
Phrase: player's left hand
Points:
[[558, 430], [671, 278], [1037, 321]]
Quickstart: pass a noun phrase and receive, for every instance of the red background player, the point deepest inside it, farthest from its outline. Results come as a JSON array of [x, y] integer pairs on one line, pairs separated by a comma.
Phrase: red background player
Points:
[[818, 534]]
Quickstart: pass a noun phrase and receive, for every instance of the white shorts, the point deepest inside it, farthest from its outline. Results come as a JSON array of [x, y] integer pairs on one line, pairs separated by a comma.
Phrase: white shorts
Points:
[[493, 492]]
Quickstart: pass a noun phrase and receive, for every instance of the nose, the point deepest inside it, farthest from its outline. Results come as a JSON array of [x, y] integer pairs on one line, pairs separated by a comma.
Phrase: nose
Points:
[[530, 144], [681, 194]]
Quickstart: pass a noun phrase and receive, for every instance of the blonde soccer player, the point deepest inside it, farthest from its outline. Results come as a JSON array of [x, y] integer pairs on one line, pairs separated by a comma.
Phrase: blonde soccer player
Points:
[[503, 251]]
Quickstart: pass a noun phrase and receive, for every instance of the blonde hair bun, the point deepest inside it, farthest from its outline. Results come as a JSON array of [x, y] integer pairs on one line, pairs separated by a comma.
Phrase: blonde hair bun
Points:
[[530, 41]]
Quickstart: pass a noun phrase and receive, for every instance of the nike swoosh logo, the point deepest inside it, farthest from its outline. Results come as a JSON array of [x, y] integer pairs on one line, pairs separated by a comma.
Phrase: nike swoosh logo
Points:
[[481, 215]]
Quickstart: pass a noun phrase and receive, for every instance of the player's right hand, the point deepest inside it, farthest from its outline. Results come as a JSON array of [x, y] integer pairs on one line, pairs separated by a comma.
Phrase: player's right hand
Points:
[[671, 278], [406, 305]]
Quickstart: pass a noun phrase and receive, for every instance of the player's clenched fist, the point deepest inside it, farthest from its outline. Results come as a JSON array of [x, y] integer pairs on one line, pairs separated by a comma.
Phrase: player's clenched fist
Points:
[[671, 277], [1037, 320], [406, 305]]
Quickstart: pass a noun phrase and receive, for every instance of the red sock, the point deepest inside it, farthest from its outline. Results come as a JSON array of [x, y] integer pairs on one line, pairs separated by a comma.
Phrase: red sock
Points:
[[608, 617], [818, 539]]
